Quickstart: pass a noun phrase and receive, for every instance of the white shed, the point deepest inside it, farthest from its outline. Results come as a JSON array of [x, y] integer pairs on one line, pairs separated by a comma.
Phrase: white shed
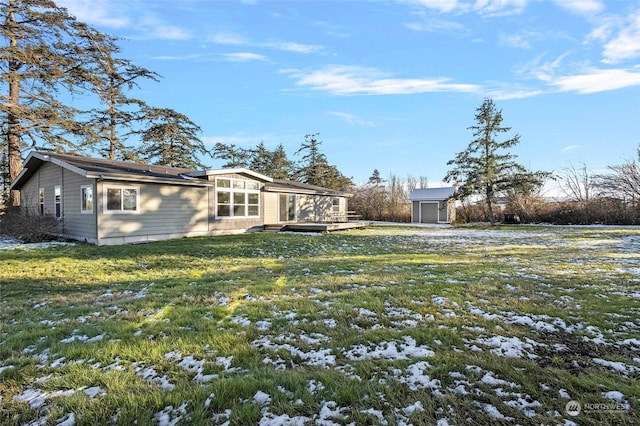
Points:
[[433, 205]]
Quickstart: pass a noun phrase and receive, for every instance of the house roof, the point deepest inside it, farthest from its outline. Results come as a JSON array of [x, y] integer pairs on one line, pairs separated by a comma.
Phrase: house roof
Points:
[[105, 169], [428, 194], [99, 168], [241, 171], [279, 185]]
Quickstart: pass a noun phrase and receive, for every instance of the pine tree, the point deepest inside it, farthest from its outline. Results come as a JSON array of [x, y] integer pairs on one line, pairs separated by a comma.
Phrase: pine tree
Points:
[[171, 139], [112, 78], [483, 168], [43, 52], [234, 156]]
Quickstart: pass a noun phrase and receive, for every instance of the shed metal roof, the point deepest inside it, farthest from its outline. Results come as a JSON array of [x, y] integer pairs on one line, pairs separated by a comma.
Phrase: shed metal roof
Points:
[[432, 194]]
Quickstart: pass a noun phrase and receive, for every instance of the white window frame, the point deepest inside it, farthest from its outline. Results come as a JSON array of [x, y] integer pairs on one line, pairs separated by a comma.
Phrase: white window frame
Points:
[[83, 208], [239, 187], [122, 188], [57, 201]]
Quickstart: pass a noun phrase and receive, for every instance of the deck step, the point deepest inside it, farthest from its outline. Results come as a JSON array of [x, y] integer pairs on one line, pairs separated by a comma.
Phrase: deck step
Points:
[[272, 229]]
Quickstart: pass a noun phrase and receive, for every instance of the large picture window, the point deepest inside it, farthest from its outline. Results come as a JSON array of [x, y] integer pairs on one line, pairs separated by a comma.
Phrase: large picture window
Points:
[[86, 197], [237, 198], [122, 199]]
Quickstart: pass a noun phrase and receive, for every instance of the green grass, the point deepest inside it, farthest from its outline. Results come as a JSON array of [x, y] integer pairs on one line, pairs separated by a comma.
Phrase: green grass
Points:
[[388, 325]]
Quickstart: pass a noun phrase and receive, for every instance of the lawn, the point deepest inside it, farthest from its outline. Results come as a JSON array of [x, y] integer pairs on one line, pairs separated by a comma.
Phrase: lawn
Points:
[[389, 325]]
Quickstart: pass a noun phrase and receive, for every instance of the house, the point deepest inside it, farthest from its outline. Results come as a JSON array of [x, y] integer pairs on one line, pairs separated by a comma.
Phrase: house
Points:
[[433, 205], [110, 202]]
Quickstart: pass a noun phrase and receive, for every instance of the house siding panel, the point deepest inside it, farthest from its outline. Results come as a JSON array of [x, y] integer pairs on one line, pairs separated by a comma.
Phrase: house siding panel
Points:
[[314, 208], [164, 210], [76, 224]]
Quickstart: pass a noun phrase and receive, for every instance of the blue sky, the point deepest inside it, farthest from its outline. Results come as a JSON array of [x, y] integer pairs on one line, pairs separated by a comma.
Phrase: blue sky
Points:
[[392, 85]]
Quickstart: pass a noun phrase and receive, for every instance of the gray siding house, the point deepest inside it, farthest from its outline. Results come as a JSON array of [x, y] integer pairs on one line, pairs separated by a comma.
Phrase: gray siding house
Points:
[[433, 205], [109, 202]]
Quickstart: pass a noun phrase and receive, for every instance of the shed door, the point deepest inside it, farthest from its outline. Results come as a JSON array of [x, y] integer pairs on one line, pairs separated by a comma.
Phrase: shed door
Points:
[[429, 212]]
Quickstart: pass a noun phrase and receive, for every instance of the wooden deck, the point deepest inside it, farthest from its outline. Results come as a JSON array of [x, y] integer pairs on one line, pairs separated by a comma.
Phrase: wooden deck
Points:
[[315, 227]]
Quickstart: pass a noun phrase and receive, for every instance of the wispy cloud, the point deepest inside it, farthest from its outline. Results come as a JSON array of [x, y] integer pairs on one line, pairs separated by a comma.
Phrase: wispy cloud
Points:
[[435, 25], [234, 39], [112, 14], [353, 120], [581, 7], [598, 80], [570, 148], [439, 5], [518, 40], [492, 8], [243, 57], [626, 44], [354, 80], [103, 13]]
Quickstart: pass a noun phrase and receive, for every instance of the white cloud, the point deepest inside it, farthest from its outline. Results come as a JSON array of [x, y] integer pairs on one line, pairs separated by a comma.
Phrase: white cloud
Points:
[[291, 47], [598, 80], [626, 44], [228, 38], [234, 39], [570, 148], [438, 26], [243, 57], [353, 80], [517, 40], [500, 7], [581, 7], [103, 13], [440, 5], [351, 119]]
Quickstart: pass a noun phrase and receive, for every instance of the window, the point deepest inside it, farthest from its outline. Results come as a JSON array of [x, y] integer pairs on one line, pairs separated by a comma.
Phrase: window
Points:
[[336, 205], [41, 200], [86, 197], [57, 198], [237, 198], [122, 199]]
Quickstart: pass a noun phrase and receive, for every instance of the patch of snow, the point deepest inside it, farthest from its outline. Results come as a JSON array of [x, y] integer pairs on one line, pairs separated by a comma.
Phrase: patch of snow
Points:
[[170, 416], [262, 398], [68, 420], [390, 350]]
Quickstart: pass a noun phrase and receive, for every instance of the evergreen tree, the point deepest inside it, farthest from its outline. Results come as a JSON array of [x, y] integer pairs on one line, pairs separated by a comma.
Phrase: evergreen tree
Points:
[[234, 156], [43, 52], [315, 169], [112, 78], [281, 166], [274, 164], [375, 178], [483, 168], [171, 139]]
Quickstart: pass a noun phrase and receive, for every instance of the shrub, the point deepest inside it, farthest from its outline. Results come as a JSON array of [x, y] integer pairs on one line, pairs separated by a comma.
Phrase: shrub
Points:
[[30, 226]]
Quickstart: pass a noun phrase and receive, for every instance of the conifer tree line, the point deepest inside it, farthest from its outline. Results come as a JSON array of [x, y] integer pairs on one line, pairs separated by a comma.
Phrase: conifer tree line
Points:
[[312, 168], [48, 58]]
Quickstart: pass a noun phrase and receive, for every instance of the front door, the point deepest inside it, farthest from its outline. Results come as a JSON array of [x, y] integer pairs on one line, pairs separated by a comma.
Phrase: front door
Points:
[[287, 207]]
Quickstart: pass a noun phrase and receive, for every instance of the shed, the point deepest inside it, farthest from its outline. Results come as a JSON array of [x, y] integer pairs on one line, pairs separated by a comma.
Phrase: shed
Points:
[[433, 205]]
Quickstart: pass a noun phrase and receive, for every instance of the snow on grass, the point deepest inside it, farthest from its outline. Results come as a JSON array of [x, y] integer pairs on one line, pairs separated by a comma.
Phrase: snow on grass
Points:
[[341, 329]]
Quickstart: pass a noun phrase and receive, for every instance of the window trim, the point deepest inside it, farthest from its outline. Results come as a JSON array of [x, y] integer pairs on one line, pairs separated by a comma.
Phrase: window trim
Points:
[[237, 186], [105, 192], [57, 201], [83, 210], [41, 200]]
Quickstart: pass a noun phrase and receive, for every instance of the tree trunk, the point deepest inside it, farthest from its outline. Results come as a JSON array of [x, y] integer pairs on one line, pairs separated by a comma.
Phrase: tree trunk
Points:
[[14, 155]]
